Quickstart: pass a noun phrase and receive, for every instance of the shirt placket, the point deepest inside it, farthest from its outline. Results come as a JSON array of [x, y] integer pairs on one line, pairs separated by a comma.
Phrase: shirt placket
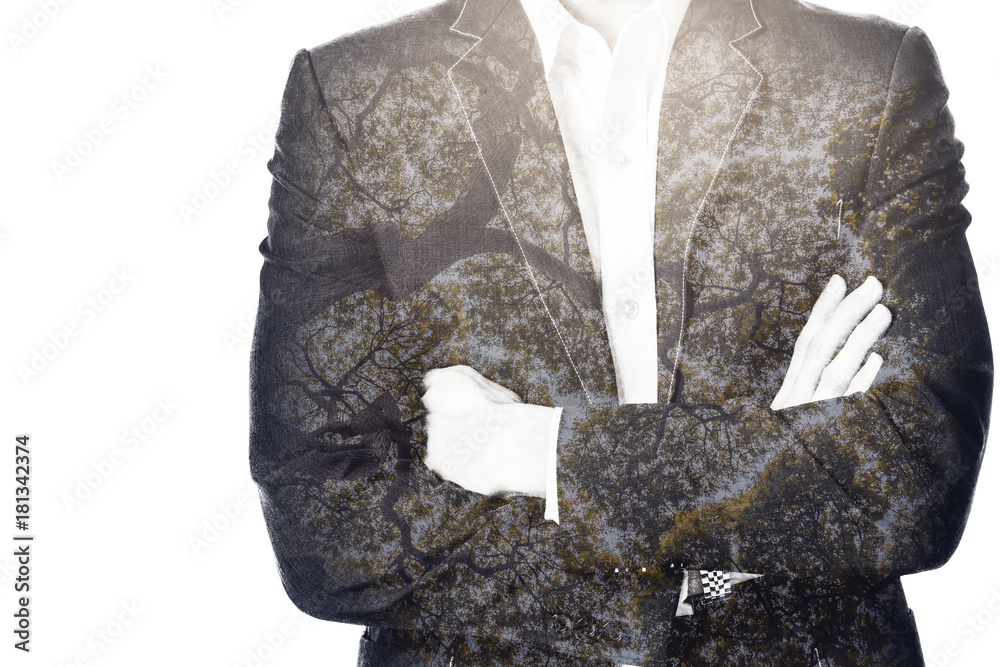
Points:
[[626, 222]]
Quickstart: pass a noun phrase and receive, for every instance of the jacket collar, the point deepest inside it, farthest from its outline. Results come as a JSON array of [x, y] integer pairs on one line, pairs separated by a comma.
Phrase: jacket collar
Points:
[[477, 16], [549, 18]]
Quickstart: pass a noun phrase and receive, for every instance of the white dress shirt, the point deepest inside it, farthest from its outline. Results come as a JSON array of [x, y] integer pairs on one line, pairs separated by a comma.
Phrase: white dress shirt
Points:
[[608, 107]]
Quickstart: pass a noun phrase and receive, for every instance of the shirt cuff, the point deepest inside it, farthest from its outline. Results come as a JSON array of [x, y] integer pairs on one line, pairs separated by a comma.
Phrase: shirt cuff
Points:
[[551, 490]]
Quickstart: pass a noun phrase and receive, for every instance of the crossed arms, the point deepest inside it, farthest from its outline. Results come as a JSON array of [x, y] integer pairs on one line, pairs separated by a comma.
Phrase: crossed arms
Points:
[[832, 357], [365, 532]]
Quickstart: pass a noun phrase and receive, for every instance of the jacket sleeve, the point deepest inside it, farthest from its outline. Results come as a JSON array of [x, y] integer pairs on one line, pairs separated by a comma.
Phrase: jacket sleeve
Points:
[[363, 532], [870, 485]]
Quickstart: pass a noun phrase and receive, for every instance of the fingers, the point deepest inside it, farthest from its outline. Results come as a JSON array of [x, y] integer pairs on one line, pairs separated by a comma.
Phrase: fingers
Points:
[[833, 335], [863, 381], [450, 392], [829, 299], [839, 374], [458, 390], [825, 305], [491, 390]]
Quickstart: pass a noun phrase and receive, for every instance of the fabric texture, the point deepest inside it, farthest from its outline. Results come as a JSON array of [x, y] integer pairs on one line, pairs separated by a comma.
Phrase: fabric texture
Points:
[[422, 215]]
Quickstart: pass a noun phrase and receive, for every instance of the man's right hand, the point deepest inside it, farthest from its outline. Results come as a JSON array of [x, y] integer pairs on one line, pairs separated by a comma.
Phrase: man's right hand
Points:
[[482, 436], [832, 356]]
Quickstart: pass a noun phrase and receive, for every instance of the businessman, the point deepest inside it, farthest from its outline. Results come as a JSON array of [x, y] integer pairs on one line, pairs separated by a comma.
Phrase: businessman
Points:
[[483, 224]]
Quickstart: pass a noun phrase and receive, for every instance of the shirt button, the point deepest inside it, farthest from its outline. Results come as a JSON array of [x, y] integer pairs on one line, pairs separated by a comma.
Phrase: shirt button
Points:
[[628, 309], [621, 158]]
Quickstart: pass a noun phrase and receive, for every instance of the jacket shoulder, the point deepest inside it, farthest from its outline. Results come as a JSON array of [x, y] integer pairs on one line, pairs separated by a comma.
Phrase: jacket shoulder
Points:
[[844, 39], [417, 37]]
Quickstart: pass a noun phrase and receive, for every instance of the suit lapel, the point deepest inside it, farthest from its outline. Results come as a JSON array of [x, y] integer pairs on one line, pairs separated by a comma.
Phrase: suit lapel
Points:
[[709, 87], [500, 83]]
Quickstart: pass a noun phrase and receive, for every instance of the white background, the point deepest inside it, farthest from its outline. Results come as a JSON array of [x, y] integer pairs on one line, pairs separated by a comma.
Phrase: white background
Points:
[[179, 330]]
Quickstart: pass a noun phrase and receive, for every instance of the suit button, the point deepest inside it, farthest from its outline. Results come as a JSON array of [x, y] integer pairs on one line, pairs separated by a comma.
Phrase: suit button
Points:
[[562, 626]]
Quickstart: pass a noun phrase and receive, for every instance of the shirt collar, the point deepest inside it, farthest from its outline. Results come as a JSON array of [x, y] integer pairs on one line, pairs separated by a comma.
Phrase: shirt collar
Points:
[[549, 18]]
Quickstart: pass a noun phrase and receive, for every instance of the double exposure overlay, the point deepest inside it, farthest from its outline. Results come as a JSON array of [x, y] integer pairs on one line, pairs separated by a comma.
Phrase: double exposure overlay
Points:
[[795, 143]]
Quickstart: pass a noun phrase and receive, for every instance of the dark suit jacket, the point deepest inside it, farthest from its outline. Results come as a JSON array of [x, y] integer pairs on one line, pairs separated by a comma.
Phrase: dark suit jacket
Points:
[[422, 215]]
